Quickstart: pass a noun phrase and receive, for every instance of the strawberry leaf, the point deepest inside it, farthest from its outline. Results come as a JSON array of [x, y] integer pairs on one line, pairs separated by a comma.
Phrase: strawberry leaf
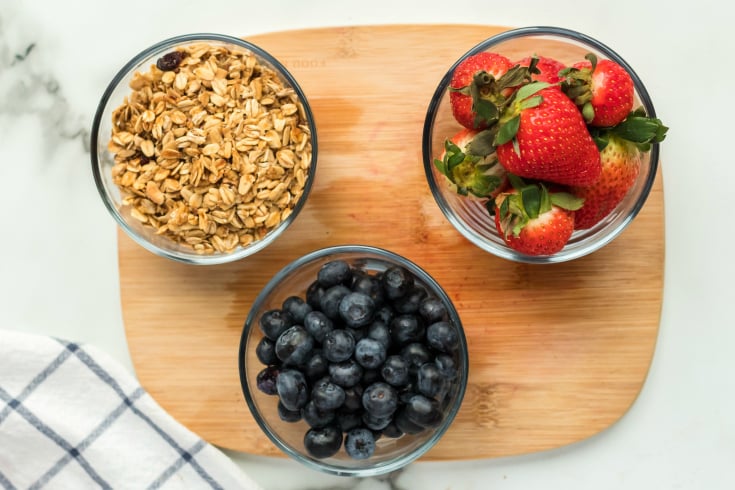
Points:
[[530, 102], [482, 144], [508, 130], [530, 89], [565, 200], [531, 200]]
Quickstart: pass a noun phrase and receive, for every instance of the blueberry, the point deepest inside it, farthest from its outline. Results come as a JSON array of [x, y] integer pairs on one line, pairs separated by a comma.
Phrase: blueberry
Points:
[[333, 273], [318, 325], [395, 371], [356, 309], [391, 430], [405, 425], [396, 282], [370, 353], [348, 420], [432, 309], [338, 345], [379, 331], [374, 422], [297, 308], [370, 285], [442, 336], [288, 415], [316, 418], [274, 322], [380, 399], [384, 314], [324, 442], [416, 354], [406, 329], [359, 443], [317, 366], [446, 366], [265, 351], [314, 294], [430, 382], [327, 395], [292, 389], [266, 380], [353, 398], [346, 373], [294, 346], [423, 411], [410, 302], [329, 302]]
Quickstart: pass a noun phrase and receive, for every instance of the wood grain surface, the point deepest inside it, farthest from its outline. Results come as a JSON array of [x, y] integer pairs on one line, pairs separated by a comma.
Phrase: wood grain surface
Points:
[[557, 352]]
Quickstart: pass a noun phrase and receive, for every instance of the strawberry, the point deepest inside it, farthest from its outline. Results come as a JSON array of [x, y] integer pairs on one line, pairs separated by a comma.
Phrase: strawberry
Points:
[[480, 85], [602, 89], [480, 176], [534, 221], [546, 69], [622, 148], [542, 136]]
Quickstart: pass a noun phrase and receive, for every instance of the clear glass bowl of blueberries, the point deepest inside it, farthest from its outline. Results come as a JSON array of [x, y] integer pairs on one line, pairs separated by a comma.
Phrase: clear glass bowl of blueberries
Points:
[[353, 360]]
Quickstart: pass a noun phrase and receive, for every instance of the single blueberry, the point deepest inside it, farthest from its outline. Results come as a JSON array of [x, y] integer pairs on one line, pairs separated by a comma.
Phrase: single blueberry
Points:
[[346, 373], [329, 302], [442, 336], [370, 285], [266, 380], [338, 345], [359, 443], [314, 294], [318, 325], [324, 442], [391, 430], [446, 365], [379, 331], [409, 302], [370, 353], [294, 346], [430, 382], [297, 308], [396, 282], [380, 399], [266, 351], [316, 418], [346, 420], [405, 425], [316, 366], [356, 309], [416, 354], [334, 272], [424, 411], [353, 398], [292, 389], [327, 395], [274, 322], [288, 415], [395, 371], [407, 328], [373, 422], [432, 309]]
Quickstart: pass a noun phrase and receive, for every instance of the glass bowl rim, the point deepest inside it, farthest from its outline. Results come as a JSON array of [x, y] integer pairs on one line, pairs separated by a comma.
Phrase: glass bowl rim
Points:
[[160, 47], [390, 257], [504, 251]]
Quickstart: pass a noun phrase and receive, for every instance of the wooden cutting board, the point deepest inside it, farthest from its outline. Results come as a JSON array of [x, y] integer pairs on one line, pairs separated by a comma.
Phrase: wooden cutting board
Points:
[[557, 352]]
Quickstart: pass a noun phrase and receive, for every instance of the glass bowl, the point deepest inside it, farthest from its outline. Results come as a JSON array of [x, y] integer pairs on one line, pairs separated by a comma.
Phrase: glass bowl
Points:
[[209, 158], [294, 279], [469, 215]]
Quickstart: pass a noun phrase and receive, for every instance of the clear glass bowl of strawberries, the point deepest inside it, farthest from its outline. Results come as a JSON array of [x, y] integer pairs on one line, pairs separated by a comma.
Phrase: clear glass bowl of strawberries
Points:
[[541, 145]]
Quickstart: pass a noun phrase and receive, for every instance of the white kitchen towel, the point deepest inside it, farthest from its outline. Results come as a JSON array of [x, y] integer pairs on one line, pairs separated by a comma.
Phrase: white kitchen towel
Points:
[[71, 417]]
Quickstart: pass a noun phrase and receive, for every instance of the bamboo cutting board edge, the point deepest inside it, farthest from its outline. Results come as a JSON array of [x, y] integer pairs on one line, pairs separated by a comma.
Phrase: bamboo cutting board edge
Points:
[[493, 407]]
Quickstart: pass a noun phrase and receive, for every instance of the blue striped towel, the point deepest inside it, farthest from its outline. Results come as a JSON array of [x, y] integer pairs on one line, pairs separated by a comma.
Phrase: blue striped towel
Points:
[[71, 417]]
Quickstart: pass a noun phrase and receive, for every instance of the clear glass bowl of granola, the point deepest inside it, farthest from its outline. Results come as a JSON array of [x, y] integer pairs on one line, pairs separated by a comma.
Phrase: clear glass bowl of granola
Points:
[[204, 148]]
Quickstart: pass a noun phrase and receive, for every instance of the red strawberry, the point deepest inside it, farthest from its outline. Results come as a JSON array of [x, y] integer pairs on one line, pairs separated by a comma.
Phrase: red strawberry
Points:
[[548, 69], [463, 84], [621, 163], [544, 137], [480, 176], [533, 220], [602, 89], [622, 147]]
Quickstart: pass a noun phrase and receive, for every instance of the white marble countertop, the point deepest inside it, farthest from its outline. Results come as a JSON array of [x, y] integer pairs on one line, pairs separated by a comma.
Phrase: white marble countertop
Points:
[[60, 273]]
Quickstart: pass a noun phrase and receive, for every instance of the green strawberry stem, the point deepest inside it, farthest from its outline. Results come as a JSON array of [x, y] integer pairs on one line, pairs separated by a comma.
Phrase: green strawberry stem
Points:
[[468, 172]]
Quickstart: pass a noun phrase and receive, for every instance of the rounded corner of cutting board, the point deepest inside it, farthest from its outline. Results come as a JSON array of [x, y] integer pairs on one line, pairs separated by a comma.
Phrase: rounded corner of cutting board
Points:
[[563, 371]]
